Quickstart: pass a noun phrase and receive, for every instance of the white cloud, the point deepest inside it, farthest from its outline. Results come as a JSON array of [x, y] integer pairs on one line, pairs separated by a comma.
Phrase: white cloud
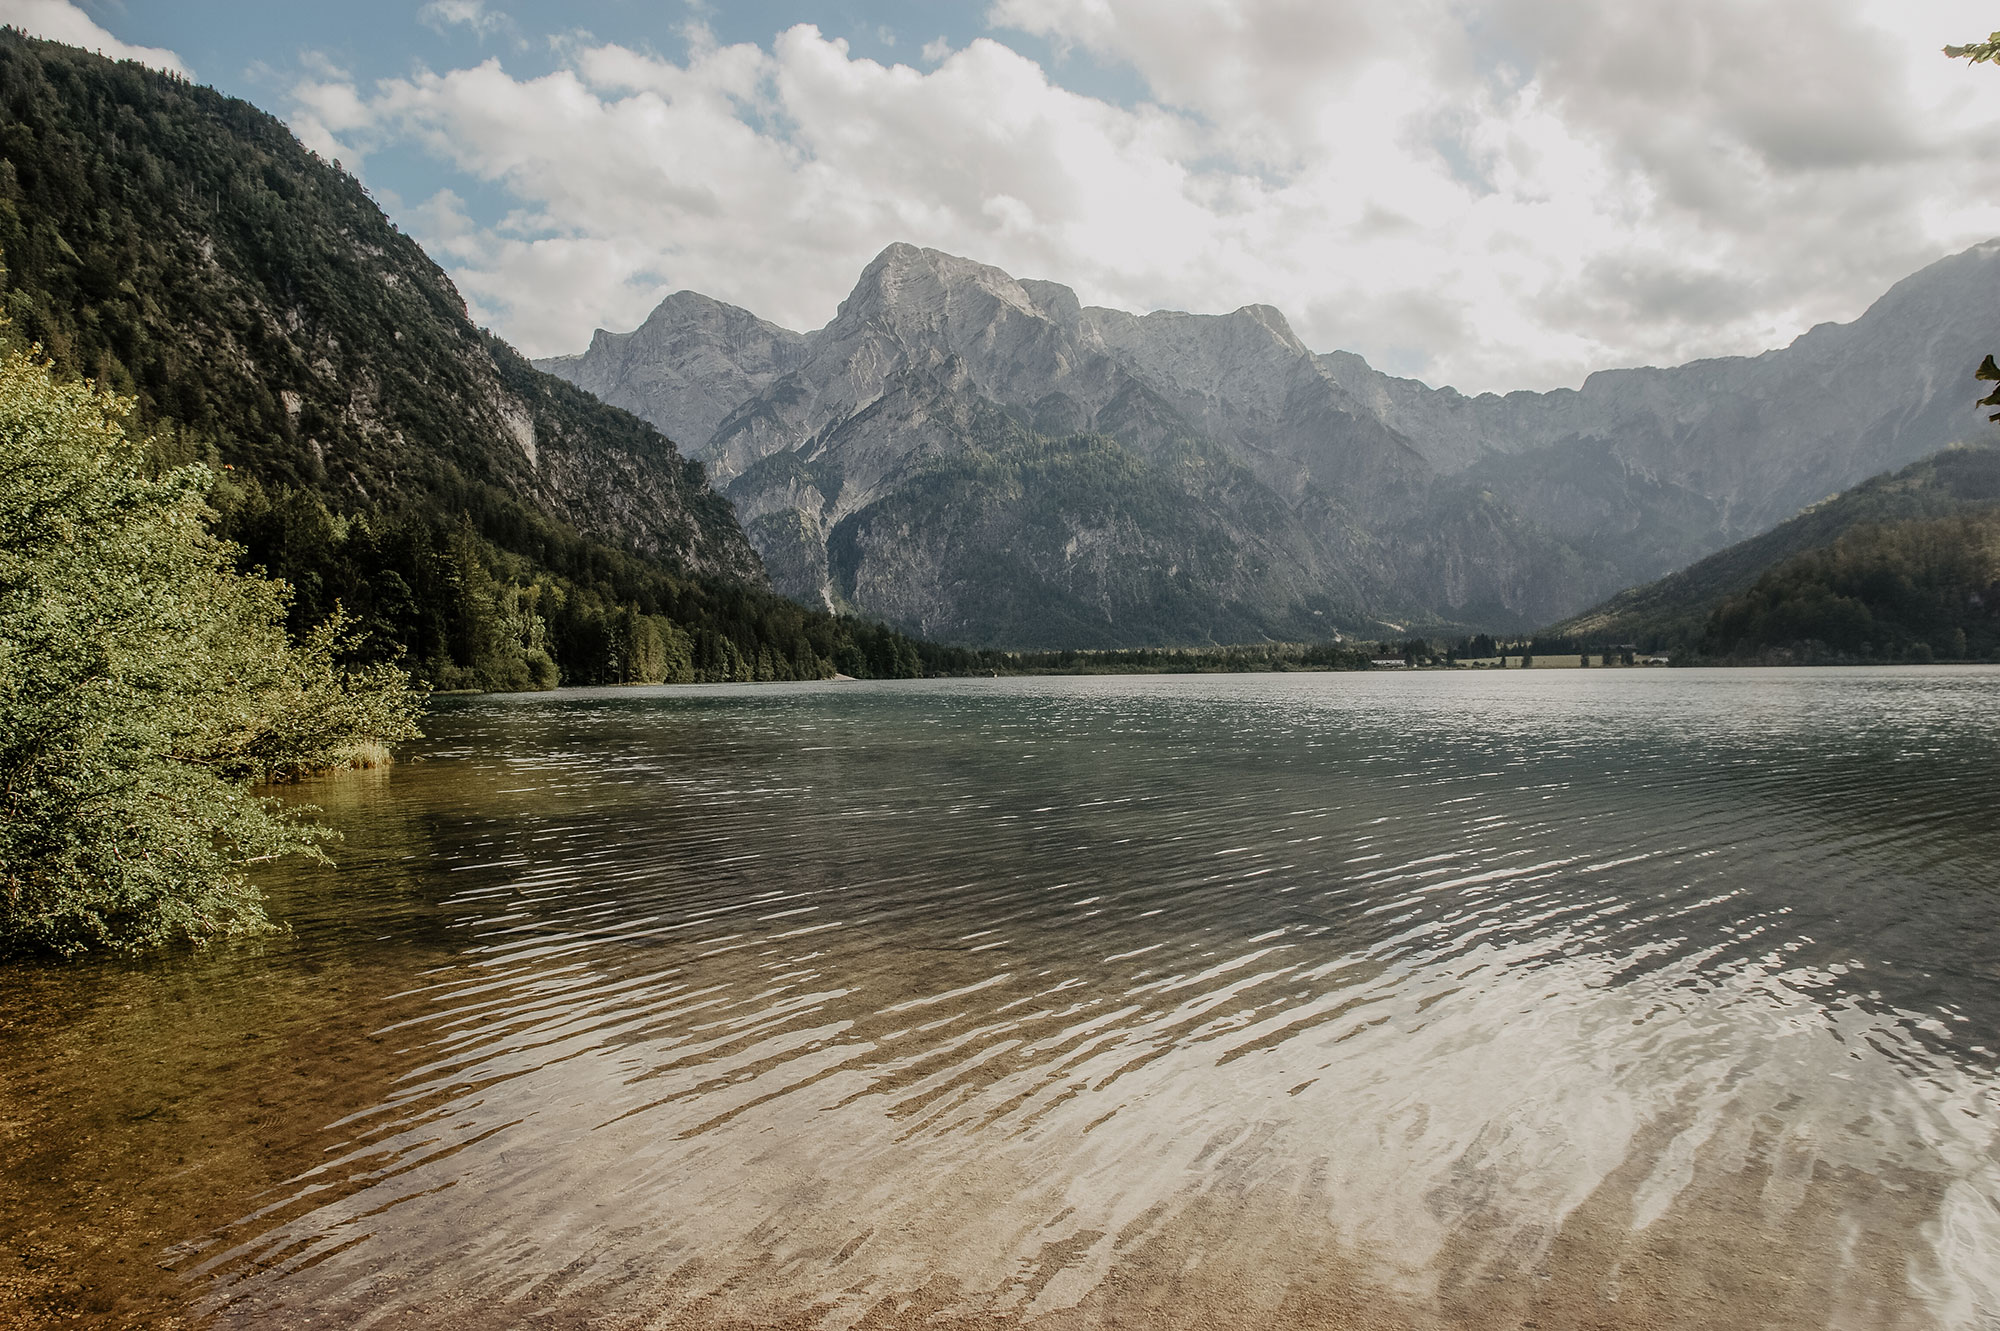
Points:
[[1503, 195], [61, 21], [325, 109], [441, 15]]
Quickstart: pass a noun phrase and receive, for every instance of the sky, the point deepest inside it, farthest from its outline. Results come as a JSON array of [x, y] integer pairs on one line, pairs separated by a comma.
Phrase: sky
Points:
[[1495, 195]]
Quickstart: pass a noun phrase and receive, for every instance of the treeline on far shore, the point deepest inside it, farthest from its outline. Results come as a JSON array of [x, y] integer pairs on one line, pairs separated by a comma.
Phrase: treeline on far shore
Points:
[[1421, 653], [474, 590], [1252, 657]]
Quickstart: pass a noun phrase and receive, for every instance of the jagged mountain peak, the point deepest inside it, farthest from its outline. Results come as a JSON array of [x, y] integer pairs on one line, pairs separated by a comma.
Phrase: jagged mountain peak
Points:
[[917, 293], [1055, 301], [920, 327], [905, 275], [687, 366], [1271, 320], [691, 309], [1257, 328], [1249, 351], [1502, 510], [1926, 302]]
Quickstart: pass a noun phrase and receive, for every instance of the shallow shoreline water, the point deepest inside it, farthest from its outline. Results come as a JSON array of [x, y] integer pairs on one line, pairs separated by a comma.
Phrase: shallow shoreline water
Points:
[[1557, 999]]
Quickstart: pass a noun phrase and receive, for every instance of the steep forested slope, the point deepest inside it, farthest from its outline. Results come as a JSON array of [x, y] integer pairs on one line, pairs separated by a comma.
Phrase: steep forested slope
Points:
[[183, 248], [1871, 573], [1922, 590]]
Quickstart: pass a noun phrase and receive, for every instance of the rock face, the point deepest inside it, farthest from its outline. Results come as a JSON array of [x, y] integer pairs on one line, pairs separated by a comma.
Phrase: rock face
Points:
[[986, 459], [690, 364]]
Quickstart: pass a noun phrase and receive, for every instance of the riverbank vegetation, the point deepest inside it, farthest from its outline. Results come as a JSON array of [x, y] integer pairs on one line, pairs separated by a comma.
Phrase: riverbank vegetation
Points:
[[320, 490], [146, 686]]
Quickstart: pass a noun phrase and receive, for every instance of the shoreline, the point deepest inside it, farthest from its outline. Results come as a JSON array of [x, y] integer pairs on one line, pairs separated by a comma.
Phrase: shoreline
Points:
[[1465, 667]]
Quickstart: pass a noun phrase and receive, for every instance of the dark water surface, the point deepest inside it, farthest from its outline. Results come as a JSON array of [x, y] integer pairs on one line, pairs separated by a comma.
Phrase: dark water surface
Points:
[[1610, 998]]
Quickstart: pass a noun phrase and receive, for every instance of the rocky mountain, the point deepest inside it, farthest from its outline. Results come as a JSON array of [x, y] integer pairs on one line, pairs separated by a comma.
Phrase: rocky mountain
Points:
[[1344, 497], [691, 364]]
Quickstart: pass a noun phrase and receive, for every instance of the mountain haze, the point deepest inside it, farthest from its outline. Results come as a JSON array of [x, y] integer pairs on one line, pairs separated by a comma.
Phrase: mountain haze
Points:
[[1350, 498]]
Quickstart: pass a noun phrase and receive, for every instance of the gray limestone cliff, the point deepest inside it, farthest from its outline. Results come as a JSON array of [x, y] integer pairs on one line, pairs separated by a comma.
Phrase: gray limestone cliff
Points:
[[985, 459]]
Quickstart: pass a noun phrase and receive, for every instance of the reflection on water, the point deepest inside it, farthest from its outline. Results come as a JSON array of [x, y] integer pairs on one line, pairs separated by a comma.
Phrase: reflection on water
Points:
[[1493, 1000]]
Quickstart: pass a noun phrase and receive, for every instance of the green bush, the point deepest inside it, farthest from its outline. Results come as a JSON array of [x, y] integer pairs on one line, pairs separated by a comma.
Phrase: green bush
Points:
[[145, 684]]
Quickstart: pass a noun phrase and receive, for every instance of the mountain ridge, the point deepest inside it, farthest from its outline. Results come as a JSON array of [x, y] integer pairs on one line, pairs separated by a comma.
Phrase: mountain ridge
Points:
[[1427, 505]]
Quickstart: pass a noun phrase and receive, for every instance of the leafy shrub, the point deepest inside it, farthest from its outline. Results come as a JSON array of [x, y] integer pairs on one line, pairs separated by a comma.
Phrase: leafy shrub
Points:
[[145, 684]]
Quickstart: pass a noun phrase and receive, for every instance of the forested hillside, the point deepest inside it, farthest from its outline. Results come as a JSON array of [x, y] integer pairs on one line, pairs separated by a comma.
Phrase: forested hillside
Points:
[[1897, 568], [492, 523], [1925, 590]]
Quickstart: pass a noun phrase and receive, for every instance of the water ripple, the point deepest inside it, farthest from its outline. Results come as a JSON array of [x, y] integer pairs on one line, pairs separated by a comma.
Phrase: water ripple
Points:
[[1484, 997]]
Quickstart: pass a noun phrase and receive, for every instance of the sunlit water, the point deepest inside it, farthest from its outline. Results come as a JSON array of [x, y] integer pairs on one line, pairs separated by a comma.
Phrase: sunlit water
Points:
[[1621, 998]]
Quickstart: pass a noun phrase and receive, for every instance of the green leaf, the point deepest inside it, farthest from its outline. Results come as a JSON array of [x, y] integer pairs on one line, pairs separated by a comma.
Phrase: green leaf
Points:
[[144, 684]]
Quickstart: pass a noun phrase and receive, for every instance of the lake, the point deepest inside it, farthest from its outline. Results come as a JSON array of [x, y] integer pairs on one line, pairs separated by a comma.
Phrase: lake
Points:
[[1550, 999]]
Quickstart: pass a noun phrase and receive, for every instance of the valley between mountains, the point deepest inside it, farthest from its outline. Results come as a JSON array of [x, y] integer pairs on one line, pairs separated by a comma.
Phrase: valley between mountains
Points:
[[983, 459]]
